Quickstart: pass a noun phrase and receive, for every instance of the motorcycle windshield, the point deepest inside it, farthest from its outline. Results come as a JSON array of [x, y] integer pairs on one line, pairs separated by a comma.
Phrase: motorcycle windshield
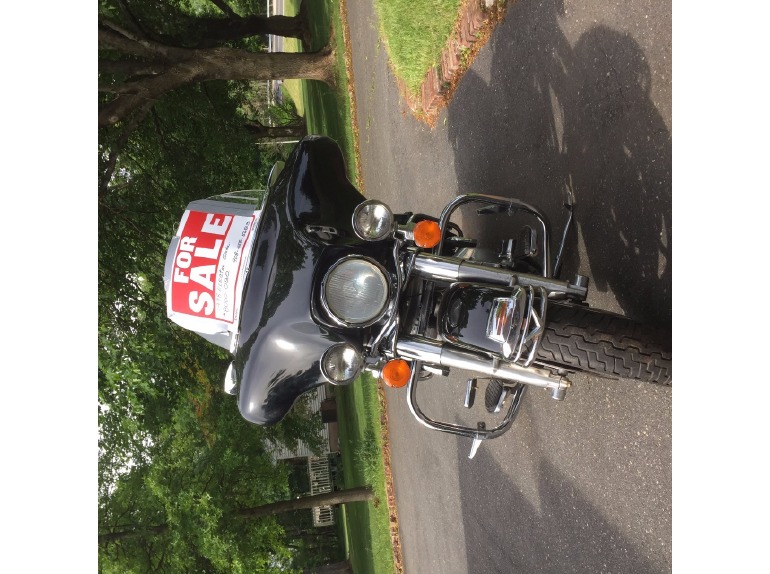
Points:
[[280, 345]]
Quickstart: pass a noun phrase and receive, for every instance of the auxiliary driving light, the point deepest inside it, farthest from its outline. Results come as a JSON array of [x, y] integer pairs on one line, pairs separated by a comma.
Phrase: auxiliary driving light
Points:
[[372, 220], [341, 364]]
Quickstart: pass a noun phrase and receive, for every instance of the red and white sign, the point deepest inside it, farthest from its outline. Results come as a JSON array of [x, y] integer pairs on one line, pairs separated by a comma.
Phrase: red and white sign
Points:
[[208, 269]]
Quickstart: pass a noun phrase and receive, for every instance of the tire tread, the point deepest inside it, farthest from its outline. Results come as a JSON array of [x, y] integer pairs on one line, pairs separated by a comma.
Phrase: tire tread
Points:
[[606, 344]]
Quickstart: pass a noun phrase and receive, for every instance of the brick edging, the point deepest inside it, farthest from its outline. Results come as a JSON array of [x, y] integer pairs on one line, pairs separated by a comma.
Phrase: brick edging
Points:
[[474, 26]]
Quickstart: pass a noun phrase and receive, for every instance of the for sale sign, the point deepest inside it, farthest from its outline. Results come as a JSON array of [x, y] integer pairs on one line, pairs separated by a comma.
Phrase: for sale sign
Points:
[[205, 277]]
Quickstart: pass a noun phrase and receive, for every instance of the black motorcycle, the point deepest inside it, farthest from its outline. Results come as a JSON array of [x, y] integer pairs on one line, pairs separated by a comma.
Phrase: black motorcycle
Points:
[[338, 284]]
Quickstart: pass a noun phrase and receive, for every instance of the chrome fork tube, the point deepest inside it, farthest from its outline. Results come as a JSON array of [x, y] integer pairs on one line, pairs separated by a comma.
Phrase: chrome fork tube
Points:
[[451, 269], [432, 352]]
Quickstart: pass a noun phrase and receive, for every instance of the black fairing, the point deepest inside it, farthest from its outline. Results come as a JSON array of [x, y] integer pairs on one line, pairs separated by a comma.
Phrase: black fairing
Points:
[[281, 339]]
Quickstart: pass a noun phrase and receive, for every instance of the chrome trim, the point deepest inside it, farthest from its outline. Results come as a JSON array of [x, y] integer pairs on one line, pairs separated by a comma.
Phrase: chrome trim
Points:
[[501, 400], [275, 171], [348, 380], [390, 300], [388, 232], [512, 339], [539, 328], [513, 205], [437, 267], [235, 337], [400, 281], [470, 393], [231, 381], [477, 434], [426, 350], [451, 269]]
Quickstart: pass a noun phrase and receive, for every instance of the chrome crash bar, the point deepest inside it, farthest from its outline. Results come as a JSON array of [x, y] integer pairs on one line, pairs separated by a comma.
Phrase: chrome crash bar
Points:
[[437, 267], [477, 434], [419, 350], [451, 269], [433, 352], [508, 205]]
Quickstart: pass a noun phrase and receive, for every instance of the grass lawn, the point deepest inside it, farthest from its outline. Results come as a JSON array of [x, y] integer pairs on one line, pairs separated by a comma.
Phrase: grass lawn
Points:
[[415, 33], [361, 450]]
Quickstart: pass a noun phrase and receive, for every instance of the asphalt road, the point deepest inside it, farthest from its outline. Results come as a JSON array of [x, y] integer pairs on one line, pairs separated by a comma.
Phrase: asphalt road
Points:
[[565, 95]]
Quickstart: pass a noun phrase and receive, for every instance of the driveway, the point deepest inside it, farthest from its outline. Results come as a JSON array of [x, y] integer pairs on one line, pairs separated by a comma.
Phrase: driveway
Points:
[[565, 95]]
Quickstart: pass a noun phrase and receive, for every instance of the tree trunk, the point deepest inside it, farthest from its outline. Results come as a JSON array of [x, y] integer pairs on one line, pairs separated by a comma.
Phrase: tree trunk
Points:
[[177, 67], [357, 494], [336, 568], [215, 31], [274, 132]]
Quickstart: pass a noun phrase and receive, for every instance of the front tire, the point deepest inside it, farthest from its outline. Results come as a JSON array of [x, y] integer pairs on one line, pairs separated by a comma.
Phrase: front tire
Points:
[[581, 339]]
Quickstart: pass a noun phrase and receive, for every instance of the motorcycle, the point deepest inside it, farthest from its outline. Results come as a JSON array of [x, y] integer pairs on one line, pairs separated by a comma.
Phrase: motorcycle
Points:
[[318, 284]]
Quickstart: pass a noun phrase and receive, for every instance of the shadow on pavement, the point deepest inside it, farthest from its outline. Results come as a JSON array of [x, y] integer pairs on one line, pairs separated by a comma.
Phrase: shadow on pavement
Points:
[[560, 534], [553, 117]]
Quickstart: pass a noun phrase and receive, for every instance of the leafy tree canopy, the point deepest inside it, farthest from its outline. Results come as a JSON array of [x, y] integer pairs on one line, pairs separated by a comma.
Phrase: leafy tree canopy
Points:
[[176, 510], [176, 459]]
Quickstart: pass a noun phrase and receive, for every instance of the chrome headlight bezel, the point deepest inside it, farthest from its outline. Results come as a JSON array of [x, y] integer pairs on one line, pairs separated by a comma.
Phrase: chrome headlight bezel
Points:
[[373, 220], [346, 321], [342, 353]]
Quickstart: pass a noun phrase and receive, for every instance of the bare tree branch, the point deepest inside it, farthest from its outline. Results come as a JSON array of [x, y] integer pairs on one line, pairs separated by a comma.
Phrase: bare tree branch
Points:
[[133, 39], [112, 159], [146, 91], [222, 5], [131, 67], [129, 16], [111, 39]]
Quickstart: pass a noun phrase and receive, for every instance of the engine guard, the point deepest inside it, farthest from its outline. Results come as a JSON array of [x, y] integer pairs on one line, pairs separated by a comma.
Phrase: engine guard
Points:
[[477, 434]]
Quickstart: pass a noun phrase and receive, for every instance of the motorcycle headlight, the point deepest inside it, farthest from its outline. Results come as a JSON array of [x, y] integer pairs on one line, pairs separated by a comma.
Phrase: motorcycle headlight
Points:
[[341, 363], [372, 220], [355, 291]]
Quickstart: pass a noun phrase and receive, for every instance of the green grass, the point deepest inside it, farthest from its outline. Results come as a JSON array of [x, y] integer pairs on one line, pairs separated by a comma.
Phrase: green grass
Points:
[[415, 33], [327, 109], [361, 450], [293, 87]]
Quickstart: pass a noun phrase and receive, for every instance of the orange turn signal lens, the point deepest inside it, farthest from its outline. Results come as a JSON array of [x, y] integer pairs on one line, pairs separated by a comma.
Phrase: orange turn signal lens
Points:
[[427, 233], [396, 373]]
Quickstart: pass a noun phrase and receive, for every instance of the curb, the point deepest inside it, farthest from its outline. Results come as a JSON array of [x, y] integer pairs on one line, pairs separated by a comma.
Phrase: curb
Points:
[[395, 537], [475, 22]]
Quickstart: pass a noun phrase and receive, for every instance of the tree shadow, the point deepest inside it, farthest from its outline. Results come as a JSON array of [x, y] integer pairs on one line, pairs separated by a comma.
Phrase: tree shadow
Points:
[[553, 117]]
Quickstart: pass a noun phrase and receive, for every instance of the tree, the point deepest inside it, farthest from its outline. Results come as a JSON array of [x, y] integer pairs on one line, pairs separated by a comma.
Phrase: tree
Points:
[[177, 462], [188, 504], [355, 494], [273, 132], [347, 496], [147, 52]]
